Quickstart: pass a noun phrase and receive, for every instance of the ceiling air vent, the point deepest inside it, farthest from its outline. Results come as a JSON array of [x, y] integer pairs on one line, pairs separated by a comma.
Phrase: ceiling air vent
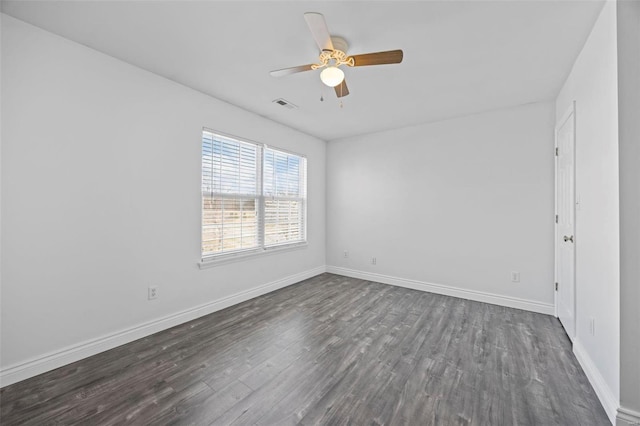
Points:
[[285, 104]]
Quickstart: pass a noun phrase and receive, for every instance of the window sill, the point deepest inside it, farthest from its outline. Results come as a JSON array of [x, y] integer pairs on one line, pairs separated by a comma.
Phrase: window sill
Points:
[[236, 257]]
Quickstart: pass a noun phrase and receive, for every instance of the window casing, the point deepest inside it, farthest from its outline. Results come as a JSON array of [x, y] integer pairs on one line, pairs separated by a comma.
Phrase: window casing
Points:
[[253, 197]]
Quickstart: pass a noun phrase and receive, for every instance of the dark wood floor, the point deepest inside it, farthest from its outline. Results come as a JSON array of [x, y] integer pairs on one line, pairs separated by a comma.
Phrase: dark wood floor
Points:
[[328, 351]]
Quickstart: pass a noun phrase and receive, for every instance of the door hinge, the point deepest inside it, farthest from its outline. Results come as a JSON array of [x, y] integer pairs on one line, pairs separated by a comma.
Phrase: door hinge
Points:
[[556, 151], [556, 218], [556, 286]]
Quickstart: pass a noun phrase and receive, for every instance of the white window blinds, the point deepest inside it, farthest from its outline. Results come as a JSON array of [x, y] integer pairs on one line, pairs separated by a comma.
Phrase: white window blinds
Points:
[[284, 191], [229, 195], [253, 197]]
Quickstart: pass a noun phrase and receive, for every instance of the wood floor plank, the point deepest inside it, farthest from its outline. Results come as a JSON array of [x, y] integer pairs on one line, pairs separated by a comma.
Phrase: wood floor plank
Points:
[[328, 350]]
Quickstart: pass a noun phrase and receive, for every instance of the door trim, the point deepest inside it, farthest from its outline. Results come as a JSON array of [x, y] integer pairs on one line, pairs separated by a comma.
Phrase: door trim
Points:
[[566, 116]]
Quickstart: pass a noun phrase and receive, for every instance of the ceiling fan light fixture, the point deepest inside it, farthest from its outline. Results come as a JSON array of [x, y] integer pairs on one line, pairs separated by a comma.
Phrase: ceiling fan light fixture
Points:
[[332, 76]]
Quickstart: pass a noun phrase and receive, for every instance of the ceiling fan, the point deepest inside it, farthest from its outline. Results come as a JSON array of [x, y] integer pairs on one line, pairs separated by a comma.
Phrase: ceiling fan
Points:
[[333, 55]]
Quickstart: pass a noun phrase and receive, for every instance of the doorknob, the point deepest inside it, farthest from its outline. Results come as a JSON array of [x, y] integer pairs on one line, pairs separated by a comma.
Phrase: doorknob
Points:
[[568, 238]]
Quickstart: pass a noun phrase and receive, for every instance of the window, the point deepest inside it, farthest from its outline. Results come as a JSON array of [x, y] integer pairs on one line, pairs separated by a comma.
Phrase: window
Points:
[[253, 196]]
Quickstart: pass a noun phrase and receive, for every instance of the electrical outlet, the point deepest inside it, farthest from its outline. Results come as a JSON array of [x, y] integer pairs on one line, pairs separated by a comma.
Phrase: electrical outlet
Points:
[[373, 260], [515, 277], [346, 254], [153, 292]]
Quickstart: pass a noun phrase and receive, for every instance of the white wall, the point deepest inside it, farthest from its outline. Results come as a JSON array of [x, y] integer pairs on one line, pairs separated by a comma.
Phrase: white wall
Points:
[[628, 23], [101, 198], [593, 85], [1, 96], [459, 203]]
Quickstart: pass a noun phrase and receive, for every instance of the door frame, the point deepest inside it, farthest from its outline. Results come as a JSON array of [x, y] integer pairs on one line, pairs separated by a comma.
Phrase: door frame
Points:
[[566, 116]]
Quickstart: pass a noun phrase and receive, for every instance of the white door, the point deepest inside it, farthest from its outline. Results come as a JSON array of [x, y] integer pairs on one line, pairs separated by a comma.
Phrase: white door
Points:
[[565, 228]]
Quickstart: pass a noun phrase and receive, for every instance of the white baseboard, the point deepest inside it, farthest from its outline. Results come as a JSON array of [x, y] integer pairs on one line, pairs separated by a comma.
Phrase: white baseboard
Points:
[[604, 393], [479, 296], [47, 362], [627, 417]]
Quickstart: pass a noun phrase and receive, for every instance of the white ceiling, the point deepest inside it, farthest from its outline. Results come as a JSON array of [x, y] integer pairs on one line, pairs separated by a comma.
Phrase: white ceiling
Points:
[[459, 57]]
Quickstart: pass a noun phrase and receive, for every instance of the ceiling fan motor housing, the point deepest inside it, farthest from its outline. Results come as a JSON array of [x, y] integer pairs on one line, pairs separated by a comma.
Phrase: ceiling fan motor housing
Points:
[[339, 43]]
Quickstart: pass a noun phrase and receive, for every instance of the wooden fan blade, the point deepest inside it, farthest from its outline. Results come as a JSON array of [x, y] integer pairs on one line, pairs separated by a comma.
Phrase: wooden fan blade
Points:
[[342, 89], [292, 70], [319, 30], [378, 58]]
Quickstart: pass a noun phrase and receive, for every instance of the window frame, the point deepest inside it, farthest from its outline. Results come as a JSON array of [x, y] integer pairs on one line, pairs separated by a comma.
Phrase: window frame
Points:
[[261, 249]]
